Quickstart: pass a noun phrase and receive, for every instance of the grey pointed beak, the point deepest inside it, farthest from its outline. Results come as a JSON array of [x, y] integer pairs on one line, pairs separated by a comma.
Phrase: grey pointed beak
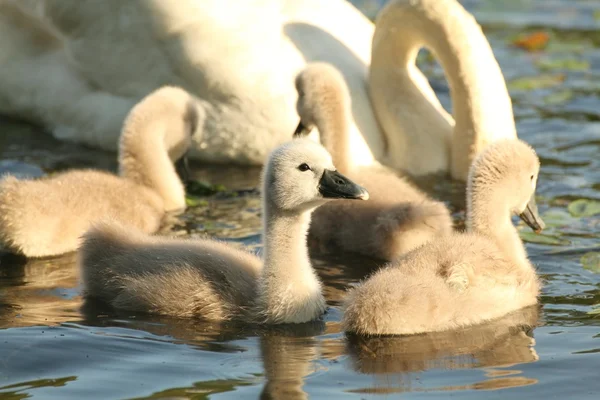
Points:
[[334, 185], [301, 130], [183, 169], [531, 217]]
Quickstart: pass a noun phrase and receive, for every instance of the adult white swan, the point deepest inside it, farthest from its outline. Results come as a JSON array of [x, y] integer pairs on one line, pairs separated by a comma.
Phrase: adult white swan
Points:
[[78, 66]]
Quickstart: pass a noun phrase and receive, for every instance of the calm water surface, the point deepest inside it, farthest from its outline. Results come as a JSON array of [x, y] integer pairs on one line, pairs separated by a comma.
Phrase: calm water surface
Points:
[[53, 348]]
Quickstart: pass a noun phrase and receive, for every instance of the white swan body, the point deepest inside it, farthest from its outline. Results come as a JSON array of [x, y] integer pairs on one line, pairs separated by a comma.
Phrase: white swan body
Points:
[[209, 279], [77, 66], [239, 57], [466, 278], [47, 216]]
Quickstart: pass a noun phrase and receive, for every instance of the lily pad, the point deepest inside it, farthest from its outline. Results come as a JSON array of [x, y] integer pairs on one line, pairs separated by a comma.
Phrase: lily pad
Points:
[[570, 64], [584, 208], [557, 218], [532, 237], [543, 81], [591, 262], [559, 97]]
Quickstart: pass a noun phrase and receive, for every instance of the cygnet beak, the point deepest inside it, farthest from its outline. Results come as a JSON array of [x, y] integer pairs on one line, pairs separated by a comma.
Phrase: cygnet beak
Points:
[[301, 130], [183, 169], [334, 185], [531, 217]]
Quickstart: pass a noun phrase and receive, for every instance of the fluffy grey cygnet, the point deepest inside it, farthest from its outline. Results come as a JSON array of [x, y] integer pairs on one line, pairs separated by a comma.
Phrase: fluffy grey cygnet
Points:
[[47, 216], [465, 278], [210, 279], [398, 217]]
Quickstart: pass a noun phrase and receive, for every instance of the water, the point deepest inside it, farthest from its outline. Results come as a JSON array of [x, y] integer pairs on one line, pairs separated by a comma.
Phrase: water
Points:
[[52, 348]]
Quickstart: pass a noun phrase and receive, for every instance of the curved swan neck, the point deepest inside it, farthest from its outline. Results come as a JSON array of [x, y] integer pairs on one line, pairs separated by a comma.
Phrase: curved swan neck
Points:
[[289, 291], [407, 106], [489, 215], [144, 159], [285, 248]]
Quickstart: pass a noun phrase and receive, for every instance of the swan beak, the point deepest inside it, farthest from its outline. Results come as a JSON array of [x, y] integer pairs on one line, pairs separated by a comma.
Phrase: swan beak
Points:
[[334, 185], [531, 217], [301, 130], [183, 169]]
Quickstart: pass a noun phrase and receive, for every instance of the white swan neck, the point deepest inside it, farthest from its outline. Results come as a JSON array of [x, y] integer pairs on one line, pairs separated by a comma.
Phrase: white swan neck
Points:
[[407, 106]]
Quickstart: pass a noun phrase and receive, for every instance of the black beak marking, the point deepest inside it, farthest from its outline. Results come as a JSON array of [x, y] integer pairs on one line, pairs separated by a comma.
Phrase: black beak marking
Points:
[[301, 130], [531, 217], [334, 185], [183, 169]]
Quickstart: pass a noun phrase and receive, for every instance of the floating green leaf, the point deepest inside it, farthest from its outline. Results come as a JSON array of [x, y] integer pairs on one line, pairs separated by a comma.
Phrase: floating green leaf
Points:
[[557, 218], [571, 64], [584, 208], [559, 97], [591, 262], [532, 237], [543, 81], [193, 201]]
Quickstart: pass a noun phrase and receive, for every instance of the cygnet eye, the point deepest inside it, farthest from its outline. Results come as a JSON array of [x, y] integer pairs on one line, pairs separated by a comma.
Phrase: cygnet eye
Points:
[[303, 167], [532, 176]]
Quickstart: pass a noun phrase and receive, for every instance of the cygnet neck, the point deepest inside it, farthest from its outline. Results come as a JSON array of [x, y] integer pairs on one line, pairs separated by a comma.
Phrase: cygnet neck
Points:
[[144, 158], [489, 215], [290, 290], [333, 123], [407, 107]]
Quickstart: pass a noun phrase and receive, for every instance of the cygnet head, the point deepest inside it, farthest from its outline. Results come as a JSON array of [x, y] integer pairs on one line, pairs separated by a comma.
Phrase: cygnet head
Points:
[[506, 171], [300, 175], [323, 97]]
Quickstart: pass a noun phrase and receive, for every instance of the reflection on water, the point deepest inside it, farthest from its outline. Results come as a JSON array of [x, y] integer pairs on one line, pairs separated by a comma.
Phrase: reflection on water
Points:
[[52, 346], [42, 291], [503, 342]]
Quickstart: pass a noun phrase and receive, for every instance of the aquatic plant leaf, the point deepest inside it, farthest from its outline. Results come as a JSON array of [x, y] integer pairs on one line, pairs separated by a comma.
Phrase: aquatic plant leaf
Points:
[[584, 208], [532, 237], [200, 188], [542, 81], [595, 310], [591, 262], [559, 97], [532, 41], [571, 64], [193, 201], [557, 218]]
